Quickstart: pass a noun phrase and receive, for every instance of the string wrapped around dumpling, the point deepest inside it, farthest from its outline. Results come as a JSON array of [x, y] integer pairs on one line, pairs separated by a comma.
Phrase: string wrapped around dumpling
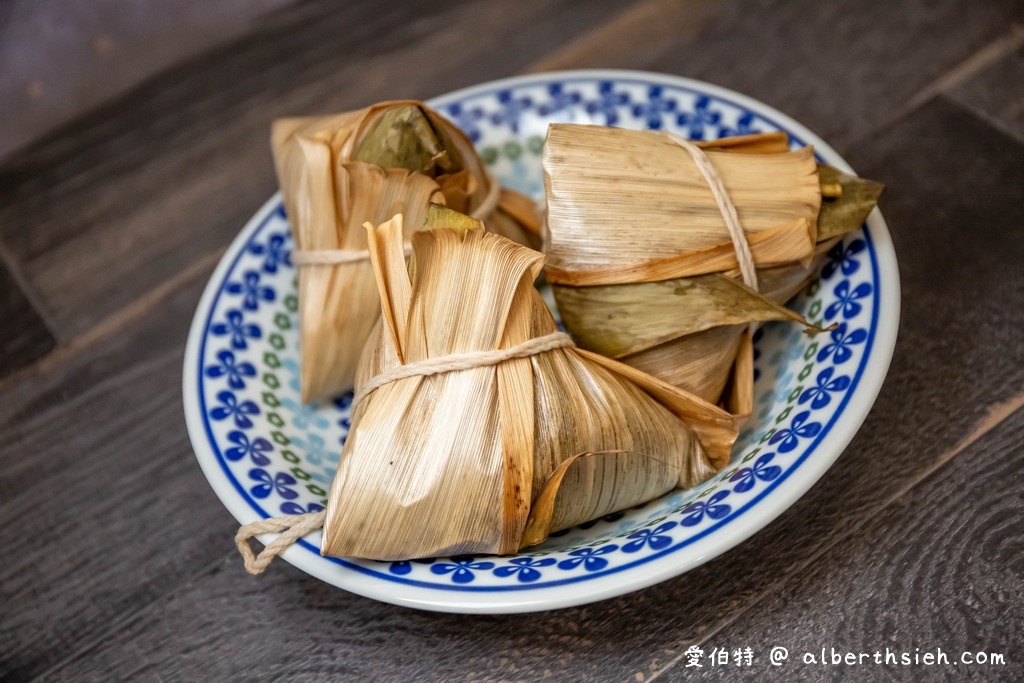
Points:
[[337, 172], [493, 456], [643, 266]]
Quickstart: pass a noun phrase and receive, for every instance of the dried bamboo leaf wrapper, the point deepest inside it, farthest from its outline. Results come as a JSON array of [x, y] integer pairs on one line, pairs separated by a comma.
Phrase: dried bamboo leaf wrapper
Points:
[[399, 134], [451, 463], [411, 136], [619, 414], [687, 332], [394, 478], [783, 244], [781, 284], [517, 218], [716, 429], [738, 397], [328, 201], [339, 303], [773, 142], [618, 198], [573, 493], [700, 363], [621, 190]]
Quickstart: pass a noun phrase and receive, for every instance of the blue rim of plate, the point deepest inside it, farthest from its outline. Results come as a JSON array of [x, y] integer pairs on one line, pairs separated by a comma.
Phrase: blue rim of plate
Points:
[[799, 134]]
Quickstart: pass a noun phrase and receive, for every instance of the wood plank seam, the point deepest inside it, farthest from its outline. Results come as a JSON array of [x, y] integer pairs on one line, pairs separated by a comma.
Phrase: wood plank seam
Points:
[[1003, 46], [972, 65], [172, 81], [115, 322], [987, 118], [979, 60], [140, 370], [996, 415], [61, 155], [159, 604], [9, 261], [103, 126]]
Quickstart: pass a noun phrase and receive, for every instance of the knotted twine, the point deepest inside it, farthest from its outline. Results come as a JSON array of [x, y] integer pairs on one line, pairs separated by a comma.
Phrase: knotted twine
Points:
[[294, 527], [336, 257]]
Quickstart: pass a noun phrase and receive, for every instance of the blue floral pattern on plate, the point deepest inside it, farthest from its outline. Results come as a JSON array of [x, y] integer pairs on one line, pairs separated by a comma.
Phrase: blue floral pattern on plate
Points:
[[280, 456]]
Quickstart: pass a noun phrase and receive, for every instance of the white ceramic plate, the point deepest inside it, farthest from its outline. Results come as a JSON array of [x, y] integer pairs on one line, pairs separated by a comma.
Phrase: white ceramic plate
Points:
[[265, 454]]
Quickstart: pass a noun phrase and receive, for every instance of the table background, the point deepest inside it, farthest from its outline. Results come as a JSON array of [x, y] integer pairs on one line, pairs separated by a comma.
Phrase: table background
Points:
[[134, 147]]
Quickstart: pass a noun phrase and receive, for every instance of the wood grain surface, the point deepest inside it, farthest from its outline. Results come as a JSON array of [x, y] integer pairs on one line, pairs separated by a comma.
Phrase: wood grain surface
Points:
[[118, 562], [183, 160], [58, 57], [941, 568], [26, 337], [843, 69]]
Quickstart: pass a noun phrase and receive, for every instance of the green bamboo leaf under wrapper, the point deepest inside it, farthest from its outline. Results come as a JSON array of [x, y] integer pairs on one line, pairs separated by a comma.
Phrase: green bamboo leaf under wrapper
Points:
[[643, 267], [338, 171]]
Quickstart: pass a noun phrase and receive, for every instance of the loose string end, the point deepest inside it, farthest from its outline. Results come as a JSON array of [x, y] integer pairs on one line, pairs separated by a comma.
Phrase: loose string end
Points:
[[291, 528], [814, 330]]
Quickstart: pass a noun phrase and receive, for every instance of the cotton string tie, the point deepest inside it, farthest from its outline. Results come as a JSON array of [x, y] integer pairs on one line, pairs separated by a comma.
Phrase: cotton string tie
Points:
[[732, 220]]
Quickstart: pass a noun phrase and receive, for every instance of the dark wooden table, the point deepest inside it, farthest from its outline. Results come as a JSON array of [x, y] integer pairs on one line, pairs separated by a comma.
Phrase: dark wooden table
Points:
[[117, 557]]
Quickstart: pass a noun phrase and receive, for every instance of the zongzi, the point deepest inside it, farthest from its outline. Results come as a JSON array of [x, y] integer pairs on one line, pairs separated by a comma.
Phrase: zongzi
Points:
[[646, 235], [494, 457], [337, 172]]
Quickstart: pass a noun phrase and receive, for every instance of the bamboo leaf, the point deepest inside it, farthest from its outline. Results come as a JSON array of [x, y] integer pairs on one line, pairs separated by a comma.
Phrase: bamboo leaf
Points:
[[847, 211], [619, 320], [403, 137]]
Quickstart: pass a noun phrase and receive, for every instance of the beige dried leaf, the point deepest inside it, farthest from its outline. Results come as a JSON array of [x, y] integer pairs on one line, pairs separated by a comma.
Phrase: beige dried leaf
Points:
[[700, 363], [324, 167], [635, 203], [643, 268], [485, 460]]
